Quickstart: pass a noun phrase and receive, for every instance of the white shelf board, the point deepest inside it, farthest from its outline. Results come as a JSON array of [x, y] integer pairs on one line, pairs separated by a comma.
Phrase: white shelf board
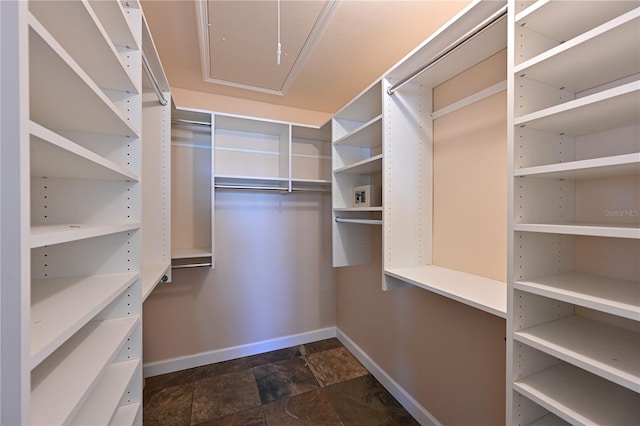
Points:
[[358, 209], [126, 415], [250, 125], [94, 51], [359, 221], [63, 96], [44, 235], [611, 295], [580, 397], [479, 292], [61, 384], [368, 135], [597, 168], [609, 109], [602, 349], [189, 253], [573, 65], [112, 16], [588, 229], [103, 401], [549, 420], [368, 166], [53, 155], [240, 180], [61, 306], [562, 20], [151, 277]]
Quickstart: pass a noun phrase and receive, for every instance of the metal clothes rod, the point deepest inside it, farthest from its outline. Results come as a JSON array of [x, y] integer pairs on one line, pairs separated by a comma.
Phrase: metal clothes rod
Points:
[[183, 121], [156, 86], [362, 221], [497, 16], [268, 188]]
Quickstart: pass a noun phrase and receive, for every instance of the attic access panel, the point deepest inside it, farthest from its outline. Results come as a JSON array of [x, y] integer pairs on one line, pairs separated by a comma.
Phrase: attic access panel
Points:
[[238, 41]]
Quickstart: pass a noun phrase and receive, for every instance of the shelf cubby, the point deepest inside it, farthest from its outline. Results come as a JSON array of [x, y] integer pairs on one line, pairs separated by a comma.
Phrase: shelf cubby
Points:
[[54, 319], [114, 17], [46, 235], [76, 367]]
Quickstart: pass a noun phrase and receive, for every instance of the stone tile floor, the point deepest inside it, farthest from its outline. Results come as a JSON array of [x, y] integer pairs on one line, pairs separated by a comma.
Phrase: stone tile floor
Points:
[[319, 383]]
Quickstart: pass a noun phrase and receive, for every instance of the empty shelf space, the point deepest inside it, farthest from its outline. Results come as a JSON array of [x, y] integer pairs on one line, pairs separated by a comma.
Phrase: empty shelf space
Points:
[[63, 96], [368, 135], [190, 253], [597, 168], [367, 166], [588, 229], [75, 368], [358, 209], [61, 306], [44, 235], [113, 17], [609, 109], [573, 66], [53, 155], [126, 415], [610, 295], [608, 351], [473, 290], [580, 397], [103, 401], [94, 51], [549, 420], [562, 21]]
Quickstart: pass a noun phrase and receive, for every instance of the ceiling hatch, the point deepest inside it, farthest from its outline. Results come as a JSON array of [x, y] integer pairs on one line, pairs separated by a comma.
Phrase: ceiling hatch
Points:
[[238, 41]]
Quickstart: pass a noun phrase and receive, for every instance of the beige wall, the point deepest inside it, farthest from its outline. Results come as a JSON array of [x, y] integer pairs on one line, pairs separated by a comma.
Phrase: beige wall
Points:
[[450, 357], [273, 278]]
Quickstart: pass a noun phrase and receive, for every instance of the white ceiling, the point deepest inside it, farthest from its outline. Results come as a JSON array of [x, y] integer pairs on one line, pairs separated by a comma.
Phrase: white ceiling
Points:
[[331, 50]]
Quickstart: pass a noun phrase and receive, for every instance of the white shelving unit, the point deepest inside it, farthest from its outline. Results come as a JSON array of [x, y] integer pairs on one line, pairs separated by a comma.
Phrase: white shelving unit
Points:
[[409, 160], [81, 134], [357, 161], [192, 157], [574, 286], [311, 157]]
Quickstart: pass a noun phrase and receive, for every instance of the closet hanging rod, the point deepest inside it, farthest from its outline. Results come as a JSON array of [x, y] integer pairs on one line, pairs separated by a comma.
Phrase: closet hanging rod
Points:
[[154, 81], [256, 187], [361, 221], [191, 265], [183, 121], [497, 16]]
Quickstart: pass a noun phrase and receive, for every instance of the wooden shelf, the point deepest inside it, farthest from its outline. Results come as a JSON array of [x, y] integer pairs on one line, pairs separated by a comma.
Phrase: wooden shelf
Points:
[[75, 368], [588, 229], [93, 52], [613, 108], [369, 135], [563, 21], [368, 166], [103, 401], [573, 66], [479, 292], [54, 319], [62, 94], [113, 17], [610, 295], [45, 235], [55, 156], [580, 397], [597, 168], [608, 351]]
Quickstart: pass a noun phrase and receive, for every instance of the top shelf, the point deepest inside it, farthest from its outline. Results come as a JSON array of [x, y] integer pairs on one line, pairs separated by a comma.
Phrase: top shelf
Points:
[[573, 66], [114, 18], [93, 51], [365, 106], [564, 20], [246, 125], [368, 135]]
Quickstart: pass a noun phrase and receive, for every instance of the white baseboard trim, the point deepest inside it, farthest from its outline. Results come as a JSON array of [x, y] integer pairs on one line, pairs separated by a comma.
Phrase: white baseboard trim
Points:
[[190, 361], [406, 400]]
